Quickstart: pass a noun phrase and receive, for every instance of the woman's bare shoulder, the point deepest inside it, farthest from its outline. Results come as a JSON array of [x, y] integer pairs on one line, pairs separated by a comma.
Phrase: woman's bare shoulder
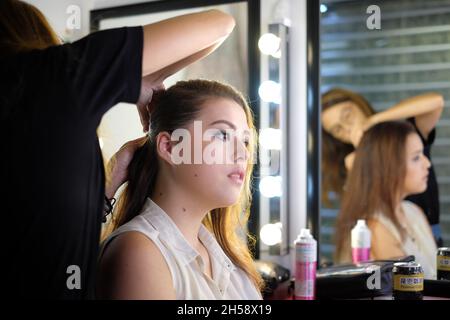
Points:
[[133, 267]]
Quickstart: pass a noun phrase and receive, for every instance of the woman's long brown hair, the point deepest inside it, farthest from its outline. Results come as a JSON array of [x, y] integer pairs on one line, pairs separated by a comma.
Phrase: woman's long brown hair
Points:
[[23, 27], [174, 108], [375, 182], [334, 151]]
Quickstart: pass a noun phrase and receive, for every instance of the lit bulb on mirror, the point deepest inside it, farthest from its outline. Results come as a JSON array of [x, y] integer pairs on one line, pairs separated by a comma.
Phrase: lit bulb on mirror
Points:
[[277, 54], [101, 143], [270, 233], [269, 43], [270, 186], [270, 91], [270, 138]]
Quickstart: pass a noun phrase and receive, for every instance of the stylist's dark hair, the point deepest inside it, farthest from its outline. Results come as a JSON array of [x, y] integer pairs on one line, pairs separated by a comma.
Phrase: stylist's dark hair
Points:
[[334, 151], [23, 28], [173, 109]]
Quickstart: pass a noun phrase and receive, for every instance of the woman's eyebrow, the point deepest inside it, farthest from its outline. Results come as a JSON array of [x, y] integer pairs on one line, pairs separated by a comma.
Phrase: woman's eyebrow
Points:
[[231, 125], [228, 123], [344, 110], [335, 128]]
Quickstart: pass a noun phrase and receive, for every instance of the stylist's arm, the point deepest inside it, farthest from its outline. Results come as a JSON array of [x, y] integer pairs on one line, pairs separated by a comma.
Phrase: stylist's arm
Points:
[[172, 44]]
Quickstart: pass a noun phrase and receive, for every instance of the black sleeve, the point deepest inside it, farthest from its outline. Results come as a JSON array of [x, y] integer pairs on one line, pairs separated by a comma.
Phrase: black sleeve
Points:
[[431, 137], [86, 78]]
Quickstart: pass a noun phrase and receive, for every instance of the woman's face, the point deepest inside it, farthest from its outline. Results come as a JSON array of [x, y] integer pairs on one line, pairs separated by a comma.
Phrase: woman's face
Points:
[[417, 165], [343, 120], [219, 151]]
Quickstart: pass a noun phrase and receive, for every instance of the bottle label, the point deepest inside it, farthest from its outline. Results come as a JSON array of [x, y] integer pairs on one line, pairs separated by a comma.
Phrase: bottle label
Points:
[[443, 263], [360, 254], [360, 239], [305, 270], [306, 252], [410, 283], [305, 278]]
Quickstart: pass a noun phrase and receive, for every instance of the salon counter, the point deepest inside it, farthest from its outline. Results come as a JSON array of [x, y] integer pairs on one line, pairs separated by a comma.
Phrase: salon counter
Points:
[[434, 290]]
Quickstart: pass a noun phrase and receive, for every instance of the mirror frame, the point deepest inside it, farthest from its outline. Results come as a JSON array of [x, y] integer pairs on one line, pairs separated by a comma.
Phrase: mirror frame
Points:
[[314, 132]]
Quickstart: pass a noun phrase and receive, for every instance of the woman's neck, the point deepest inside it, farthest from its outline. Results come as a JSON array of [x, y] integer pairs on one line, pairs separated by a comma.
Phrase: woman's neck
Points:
[[400, 214], [185, 211]]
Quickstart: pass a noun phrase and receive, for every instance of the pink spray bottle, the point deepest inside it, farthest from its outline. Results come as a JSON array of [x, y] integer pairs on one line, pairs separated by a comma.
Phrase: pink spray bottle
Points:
[[305, 266]]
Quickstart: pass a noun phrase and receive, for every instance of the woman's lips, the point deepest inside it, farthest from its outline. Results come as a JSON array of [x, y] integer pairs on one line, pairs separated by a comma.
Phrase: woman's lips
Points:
[[237, 176]]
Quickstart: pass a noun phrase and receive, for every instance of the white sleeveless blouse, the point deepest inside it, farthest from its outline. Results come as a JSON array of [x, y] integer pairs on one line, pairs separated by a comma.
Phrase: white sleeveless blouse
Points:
[[186, 265], [420, 242]]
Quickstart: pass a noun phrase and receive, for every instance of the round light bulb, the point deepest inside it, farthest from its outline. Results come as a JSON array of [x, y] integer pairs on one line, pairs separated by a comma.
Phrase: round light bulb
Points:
[[269, 43], [270, 91], [270, 138], [277, 54], [270, 186], [271, 234]]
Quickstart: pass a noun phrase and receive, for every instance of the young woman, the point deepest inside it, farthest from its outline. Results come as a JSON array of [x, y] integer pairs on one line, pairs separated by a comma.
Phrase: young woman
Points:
[[53, 97], [389, 165], [346, 115], [179, 228]]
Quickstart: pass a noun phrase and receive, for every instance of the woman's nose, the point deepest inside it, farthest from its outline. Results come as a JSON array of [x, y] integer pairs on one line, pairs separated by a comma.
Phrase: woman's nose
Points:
[[427, 162], [241, 151]]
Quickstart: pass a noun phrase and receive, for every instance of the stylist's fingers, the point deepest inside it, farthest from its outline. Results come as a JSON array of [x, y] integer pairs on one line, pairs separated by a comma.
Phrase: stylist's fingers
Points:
[[160, 87], [126, 152], [356, 136], [117, 167], [156, 91], [146, 102], [145, 97], [144, 116]]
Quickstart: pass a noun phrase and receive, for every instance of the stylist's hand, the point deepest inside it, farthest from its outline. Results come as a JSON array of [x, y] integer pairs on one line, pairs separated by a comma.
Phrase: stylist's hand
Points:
[[349, 159], [117, 167], [356, 135], [148, 89], [358, 132]]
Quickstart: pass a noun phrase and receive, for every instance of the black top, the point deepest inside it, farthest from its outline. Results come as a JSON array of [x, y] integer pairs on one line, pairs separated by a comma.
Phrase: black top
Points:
[[428, 200], [51, 103]]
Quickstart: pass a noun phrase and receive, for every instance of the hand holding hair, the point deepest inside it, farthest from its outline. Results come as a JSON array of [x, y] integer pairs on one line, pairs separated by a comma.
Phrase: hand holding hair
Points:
[[117, 167]]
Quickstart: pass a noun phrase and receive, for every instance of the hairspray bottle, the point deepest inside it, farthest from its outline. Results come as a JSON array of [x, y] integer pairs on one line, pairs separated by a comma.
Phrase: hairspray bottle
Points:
[[305, 266], [360, 235]]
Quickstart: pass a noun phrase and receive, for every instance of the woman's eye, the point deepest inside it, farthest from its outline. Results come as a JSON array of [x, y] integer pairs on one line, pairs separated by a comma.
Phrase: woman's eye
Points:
[[346, 114], [416, 158], [337, 130], [223, 135]]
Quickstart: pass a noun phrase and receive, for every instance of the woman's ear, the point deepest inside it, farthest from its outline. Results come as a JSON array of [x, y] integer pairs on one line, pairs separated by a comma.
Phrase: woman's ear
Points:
[[164, 147]]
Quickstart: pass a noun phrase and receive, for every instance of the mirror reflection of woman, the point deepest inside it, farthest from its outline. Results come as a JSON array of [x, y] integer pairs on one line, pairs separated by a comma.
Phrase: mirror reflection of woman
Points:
[[389, 165], [179, 229], [346, 115]]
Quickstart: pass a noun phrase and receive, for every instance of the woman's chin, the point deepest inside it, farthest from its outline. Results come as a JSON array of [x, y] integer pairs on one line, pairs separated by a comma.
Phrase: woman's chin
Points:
[[229, 200], [418, 190]]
